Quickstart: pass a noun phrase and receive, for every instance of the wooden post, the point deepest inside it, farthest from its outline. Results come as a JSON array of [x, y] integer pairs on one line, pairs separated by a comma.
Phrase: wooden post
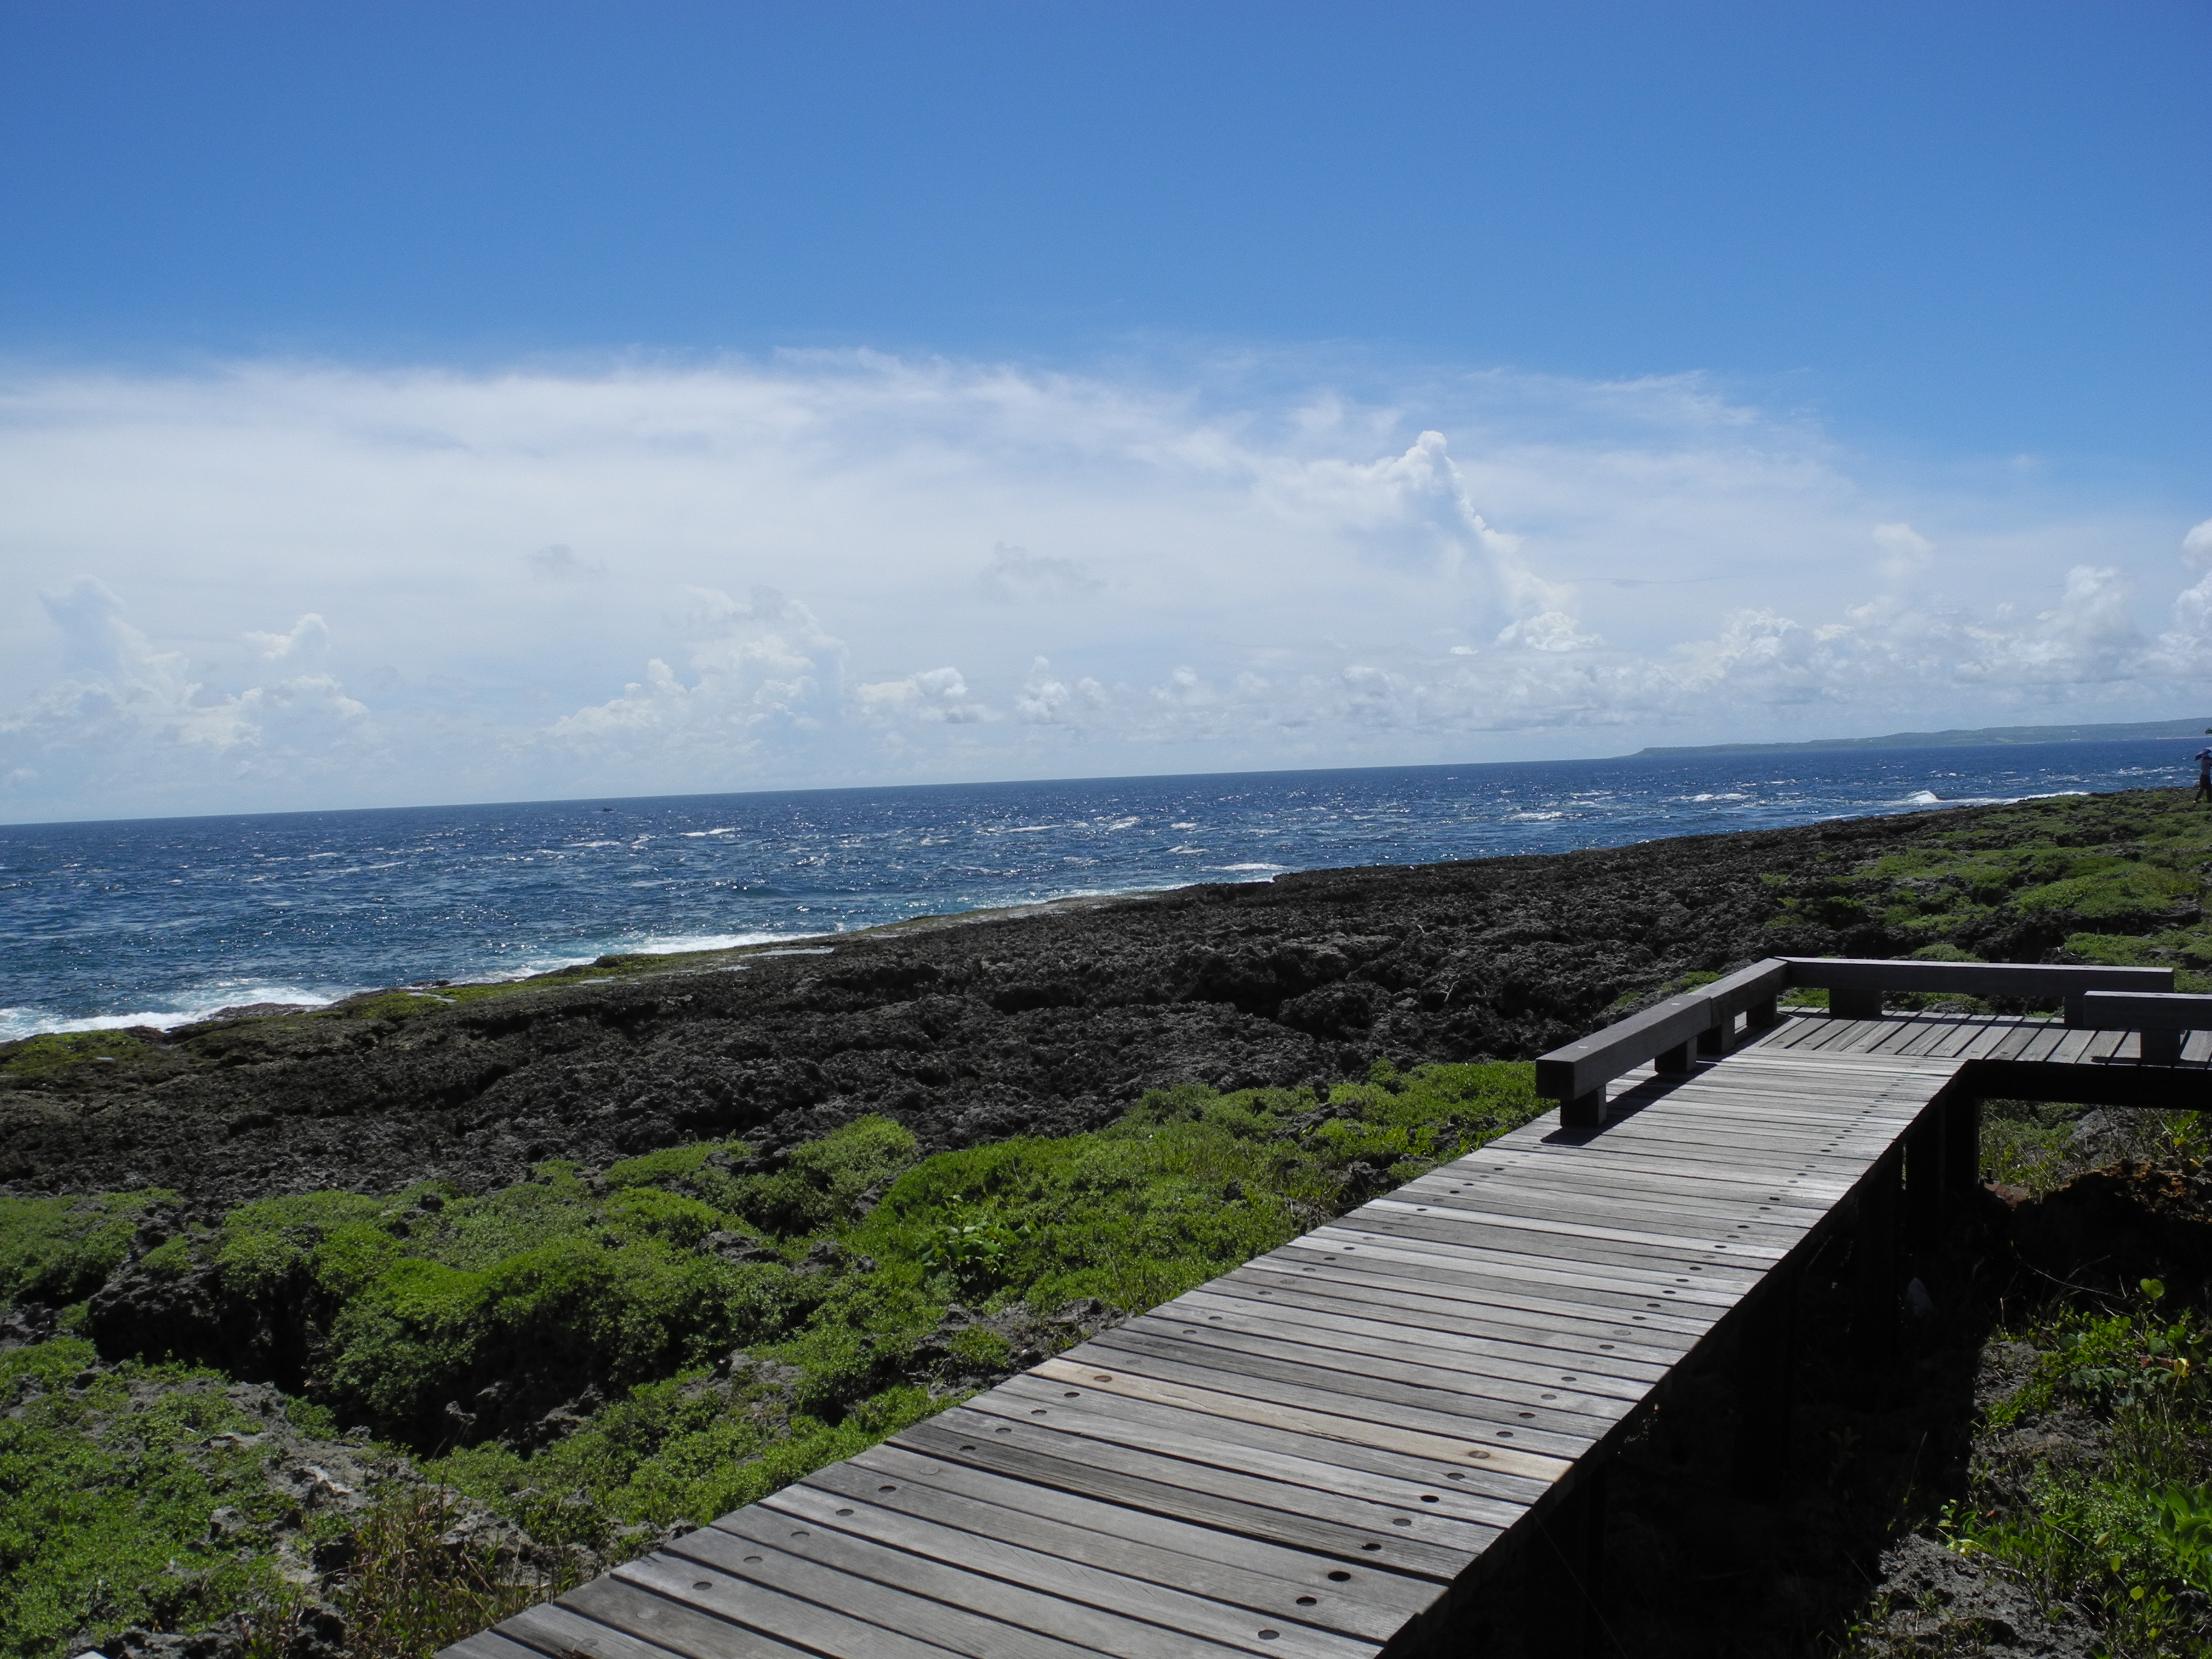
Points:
[[1923, 1186], [1962, 1143], [1875, 1286], [1673, 1062], [1713, 1043], [1765, 1377], [1583, 1111], [1854, 1004], [1760, 1015], [2160, 1048]]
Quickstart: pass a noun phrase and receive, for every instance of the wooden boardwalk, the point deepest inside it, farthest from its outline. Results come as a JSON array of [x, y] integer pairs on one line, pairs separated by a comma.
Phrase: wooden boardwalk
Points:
[[1314, 1454]]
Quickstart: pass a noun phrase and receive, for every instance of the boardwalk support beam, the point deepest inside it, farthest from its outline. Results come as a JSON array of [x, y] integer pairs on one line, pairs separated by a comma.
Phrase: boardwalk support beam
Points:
[[1962, 1142], [1765, 1368], [1592, 1504], [1875, 1274]]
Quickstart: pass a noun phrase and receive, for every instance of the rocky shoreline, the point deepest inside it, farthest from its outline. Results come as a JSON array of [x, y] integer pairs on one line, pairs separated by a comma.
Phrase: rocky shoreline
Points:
[[966, 1030]]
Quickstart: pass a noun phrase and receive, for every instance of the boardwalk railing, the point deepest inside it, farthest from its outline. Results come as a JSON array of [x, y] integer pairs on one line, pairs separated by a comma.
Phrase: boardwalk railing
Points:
[[1664, 1033]]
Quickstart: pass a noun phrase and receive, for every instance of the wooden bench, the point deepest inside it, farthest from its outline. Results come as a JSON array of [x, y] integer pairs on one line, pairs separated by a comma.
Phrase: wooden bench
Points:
[[2162, 1019], [1855, 984], [1702, 1020]]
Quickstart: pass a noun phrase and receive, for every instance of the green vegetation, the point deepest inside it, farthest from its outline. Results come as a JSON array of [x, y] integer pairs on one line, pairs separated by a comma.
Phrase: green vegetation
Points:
[[2120, 1539], [59, 1250], [108, 1481], [743, 1325], [2115, 879]]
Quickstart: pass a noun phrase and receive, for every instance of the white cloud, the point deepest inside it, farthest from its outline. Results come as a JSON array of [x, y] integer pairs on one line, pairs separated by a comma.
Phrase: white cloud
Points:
[[765, 675], [934, 695], [1905, 553], [1487, 566], [135, 714]]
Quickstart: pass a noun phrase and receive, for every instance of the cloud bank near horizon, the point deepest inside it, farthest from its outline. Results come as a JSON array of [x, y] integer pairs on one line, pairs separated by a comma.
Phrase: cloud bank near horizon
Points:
[[281, 585]]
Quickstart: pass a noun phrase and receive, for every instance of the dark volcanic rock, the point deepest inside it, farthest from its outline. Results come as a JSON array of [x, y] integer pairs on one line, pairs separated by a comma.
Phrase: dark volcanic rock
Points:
[[1046, 1021]]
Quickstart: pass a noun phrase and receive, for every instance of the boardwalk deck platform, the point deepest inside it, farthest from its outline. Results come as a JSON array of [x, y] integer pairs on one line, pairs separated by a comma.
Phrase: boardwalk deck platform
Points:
[[1317, 1453]]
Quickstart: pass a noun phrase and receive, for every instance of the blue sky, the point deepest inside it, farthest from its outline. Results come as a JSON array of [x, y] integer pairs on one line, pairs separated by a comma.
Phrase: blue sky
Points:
[[417, 402]]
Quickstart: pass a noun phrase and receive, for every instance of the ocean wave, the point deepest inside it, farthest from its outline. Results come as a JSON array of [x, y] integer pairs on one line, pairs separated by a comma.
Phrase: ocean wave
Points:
[[1226, 868], [19, 1023], [1533, 818], [671, 945], [694, 834]]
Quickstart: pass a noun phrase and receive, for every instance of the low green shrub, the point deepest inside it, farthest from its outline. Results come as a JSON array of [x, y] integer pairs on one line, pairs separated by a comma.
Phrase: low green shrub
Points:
[[62, 1249]]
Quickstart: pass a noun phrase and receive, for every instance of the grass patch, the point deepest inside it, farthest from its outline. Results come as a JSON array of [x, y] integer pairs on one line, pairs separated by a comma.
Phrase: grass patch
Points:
[[2112, 879], [2119, 1539], [108, 1483], [730, 1327]]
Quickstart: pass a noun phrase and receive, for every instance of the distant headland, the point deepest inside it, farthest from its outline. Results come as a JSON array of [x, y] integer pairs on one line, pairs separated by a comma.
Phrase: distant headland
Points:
[[1957, 739]]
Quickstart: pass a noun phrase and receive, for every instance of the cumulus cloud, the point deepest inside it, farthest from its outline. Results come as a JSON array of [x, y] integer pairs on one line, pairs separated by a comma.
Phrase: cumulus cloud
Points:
[[763, 672], [934, 695], [139, 715], [1478, 566]]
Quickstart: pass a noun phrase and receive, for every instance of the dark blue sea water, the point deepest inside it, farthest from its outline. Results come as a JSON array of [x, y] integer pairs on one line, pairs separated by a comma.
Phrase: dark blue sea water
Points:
[[157, 922]]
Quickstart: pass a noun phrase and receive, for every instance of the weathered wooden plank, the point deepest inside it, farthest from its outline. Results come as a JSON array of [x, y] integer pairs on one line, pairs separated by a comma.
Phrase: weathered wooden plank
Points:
[[1393, 1346], [1406, 1255], [1356, 1418], [1502, 1315], [1123, 1568], [1641, 1216], [980, 1621], [1574, 1228], [562, 1632], [629, 1599], [1545, 1424], [1169, 1537], [1359, 1361], [1501, 1296], [1336, 1524], [490, 1644], [1484, 1494]]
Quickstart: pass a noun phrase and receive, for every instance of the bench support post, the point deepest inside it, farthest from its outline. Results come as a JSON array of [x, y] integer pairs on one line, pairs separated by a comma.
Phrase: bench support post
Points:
[[2160, 1048], [1583, 1111], [1765, 1368], [1760, 1015], [1713, 1043], [1854, 1004], [1673, 1062]]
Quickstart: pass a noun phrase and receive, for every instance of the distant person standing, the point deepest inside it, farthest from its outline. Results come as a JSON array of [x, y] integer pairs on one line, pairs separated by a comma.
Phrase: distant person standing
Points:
[[2203, 776]]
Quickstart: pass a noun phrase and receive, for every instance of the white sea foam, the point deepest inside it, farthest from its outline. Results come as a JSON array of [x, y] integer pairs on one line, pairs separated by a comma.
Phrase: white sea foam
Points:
[[694, 834], [1226, 868], [197, 1005], [1533, 818], [670, 945]]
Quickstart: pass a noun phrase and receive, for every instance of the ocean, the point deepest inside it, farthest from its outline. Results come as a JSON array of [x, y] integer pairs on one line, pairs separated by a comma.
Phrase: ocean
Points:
[[162, 921]]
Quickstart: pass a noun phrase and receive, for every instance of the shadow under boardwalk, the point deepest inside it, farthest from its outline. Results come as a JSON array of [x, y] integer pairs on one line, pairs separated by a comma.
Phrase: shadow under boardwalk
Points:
[[1315, 1452]]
